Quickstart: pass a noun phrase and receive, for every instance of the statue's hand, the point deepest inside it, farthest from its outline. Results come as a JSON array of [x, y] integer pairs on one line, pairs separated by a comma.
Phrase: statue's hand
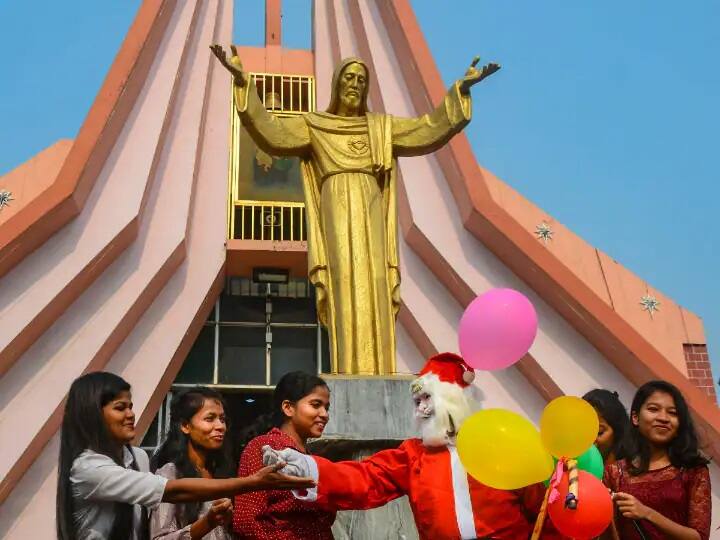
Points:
[[474, 75], [234, 65]]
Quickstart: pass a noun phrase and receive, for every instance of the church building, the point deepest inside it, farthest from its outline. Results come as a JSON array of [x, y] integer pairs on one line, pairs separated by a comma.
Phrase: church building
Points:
[[163, 245]]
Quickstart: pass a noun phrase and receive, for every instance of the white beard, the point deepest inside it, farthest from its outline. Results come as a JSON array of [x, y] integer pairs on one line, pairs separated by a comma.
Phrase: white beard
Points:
[[435, 432], [440, 415]]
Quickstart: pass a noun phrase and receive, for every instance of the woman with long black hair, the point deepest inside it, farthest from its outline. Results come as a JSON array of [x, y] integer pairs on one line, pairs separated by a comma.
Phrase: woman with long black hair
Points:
[[614, 424], [300, 410], [662, 488], [104, 484], [195, 447]]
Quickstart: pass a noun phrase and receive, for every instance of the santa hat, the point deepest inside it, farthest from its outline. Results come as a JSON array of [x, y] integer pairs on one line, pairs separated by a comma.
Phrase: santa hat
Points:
[[450, 368]]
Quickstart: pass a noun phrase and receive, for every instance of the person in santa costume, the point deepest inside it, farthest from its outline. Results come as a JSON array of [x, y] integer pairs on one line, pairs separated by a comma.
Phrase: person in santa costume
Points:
[[446, 502]]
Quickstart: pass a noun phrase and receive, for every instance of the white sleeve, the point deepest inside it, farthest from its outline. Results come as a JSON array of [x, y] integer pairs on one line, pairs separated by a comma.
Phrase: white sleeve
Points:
[[310, 494], [95, 476]]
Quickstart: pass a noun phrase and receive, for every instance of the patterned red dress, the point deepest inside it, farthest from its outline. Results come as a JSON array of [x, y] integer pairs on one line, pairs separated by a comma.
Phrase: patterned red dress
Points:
[[276, 515], [682, 495]]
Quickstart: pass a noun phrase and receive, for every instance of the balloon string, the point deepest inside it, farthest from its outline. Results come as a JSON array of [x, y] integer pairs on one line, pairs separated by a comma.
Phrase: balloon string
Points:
[[571, 500], [554, 492], [639, 529], [541, 516]]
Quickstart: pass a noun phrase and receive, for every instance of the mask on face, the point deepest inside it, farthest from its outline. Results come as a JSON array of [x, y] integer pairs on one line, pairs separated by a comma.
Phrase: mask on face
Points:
[[433, 431], [440, 408]]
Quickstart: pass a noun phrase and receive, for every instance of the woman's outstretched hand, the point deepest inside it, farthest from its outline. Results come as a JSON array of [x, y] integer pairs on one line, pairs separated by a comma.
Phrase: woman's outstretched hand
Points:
[[234, 65], [474, 75]]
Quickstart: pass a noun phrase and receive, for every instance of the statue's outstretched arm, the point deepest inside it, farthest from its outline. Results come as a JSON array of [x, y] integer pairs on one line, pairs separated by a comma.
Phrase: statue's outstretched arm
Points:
[[276, 136], [474, 75], [429, 132], [233, 65]]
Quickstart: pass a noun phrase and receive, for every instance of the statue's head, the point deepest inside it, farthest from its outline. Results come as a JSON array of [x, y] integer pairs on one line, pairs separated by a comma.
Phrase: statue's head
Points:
[[349, 88], [442, 398]]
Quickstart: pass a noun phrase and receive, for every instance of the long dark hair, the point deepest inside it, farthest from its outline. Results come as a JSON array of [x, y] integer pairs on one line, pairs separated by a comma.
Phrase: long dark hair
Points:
[[608, 405], [84, 428], [292, 387], [682, 451], [174, 449]]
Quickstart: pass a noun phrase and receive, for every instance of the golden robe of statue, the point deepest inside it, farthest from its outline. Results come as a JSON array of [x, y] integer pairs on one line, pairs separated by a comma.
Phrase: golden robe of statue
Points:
[[348, 158]]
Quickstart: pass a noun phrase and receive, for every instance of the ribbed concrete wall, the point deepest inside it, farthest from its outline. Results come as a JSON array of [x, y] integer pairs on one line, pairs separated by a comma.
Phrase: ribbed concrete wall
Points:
[[166, 182]]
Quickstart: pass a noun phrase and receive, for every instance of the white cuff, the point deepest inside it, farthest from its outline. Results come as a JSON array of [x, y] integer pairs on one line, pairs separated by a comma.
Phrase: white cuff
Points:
[[310, 494]]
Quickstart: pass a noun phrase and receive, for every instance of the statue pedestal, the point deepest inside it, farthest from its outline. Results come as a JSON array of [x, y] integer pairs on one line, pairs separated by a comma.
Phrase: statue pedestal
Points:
[[368, 414]]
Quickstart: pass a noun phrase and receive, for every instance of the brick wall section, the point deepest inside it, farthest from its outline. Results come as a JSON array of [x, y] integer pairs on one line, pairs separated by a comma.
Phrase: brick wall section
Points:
[[699, 370]]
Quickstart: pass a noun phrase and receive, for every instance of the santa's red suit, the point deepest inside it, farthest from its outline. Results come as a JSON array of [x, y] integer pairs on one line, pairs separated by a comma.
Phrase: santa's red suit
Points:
[[445, 501], [447, 504]]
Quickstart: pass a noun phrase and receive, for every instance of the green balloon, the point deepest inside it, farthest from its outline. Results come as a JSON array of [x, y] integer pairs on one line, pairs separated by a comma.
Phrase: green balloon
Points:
[[591, 461]]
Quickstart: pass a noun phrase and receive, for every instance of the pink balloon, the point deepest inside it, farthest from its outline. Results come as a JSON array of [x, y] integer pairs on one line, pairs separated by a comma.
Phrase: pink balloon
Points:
[[497, 329]]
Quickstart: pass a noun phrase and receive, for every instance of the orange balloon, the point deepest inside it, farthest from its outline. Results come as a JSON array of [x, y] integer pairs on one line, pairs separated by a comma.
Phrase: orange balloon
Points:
[[594, 508]]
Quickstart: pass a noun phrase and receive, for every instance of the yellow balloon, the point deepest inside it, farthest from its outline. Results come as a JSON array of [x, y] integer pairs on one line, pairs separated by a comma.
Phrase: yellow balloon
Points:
[[503, 450], [568, 426]]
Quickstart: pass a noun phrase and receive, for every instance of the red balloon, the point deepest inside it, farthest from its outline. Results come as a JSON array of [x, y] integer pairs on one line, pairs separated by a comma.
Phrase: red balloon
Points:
[[594, 508]]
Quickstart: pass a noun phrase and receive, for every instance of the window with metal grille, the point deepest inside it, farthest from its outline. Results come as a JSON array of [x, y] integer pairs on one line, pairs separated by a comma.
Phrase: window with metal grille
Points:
[[285, 94], [255, 333], [266, 199]]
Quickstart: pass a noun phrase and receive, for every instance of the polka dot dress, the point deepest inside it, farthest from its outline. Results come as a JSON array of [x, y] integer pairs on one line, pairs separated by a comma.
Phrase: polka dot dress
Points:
[[276, 515]]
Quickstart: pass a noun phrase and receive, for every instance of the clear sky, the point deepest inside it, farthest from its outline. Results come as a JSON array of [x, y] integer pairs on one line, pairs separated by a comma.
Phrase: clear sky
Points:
[[605, 114]]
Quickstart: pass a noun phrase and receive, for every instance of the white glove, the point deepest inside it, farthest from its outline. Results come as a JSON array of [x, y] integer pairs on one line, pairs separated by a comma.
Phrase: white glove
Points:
[[270, 457], [296, 463]]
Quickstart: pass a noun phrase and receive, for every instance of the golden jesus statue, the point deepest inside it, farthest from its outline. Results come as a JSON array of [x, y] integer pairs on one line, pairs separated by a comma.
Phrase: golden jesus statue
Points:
[[348, 161]]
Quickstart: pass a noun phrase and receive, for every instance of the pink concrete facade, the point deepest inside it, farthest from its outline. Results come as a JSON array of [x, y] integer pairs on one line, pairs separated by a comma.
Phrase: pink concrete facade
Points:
[[140, 316], [29, 180], [50, 209]]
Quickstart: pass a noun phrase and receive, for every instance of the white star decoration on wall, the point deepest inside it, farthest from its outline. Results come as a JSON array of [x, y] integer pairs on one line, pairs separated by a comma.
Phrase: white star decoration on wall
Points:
[[650, 304], [5, 198], [543, 232]]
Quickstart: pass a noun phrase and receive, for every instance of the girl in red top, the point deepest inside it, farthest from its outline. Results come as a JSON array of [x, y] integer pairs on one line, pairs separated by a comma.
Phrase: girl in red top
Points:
[[662, 488], [301, 404]]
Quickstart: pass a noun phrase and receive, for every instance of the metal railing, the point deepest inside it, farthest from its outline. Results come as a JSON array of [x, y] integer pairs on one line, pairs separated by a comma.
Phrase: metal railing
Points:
[[283, 95], [268, 220]]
